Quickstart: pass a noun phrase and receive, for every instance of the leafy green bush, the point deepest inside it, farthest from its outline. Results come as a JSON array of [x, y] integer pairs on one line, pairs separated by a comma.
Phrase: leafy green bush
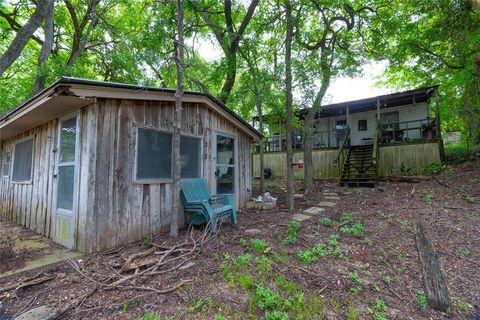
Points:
[[421, 299], [432, 168], [259, 245]]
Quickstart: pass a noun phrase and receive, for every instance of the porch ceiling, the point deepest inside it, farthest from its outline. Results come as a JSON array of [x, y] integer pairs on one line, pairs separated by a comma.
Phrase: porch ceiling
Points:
[[38, 113]]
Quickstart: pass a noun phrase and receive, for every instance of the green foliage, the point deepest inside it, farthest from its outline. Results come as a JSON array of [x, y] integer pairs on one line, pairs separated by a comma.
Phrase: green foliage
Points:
[[327, 222], [147, 242], [346, 217], [355, 277], [428, 196], [272, 185], [321, 250], [379, 312], [404, 169], [292, 232], [432, 168], [356, 229], [151, 316], [387, 279], [464, 252], [260, 245], [353, 313], [421, 299]]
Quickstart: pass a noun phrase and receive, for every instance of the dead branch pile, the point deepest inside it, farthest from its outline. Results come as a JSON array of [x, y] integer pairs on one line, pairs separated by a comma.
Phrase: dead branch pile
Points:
[[138, 267]]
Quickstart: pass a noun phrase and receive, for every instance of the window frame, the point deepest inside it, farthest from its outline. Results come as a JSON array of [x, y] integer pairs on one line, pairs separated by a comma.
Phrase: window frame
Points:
[[30, 137], [9, 164], [366, 125], [151, 180], [200, 155]]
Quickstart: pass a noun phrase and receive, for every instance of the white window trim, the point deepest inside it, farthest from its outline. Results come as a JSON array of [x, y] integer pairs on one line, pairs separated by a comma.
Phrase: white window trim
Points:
[[3, 163], [30, 181]]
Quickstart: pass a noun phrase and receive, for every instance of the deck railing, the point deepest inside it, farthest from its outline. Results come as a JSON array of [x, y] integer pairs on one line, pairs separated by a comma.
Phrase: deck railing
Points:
[[342, 152], [321, 140], [408, 131]]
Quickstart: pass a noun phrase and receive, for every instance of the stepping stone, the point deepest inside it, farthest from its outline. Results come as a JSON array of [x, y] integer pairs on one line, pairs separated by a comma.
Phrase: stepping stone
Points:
[[298, 196], [332, 198], [253, 231], [42, 312], [327, 204], [314, 210], [300, 217], [330, 194]]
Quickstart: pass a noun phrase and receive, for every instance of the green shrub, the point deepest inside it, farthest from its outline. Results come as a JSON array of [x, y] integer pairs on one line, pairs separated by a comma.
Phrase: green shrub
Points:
[[432, 168], [356, 229], [259, 245]]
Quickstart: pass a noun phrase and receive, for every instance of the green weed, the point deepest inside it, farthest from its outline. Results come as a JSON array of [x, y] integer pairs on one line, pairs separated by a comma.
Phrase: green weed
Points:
[[464, 252], [273, 185], [356, 229], [327, 222], [260, 245], [421, 299], [379, 312], [469, 199], [346, 217], [292, 232], [147, 242]]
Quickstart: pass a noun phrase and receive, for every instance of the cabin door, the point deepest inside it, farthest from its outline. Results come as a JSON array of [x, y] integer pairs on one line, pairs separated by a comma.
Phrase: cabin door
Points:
[[225, 164], [65, 181]]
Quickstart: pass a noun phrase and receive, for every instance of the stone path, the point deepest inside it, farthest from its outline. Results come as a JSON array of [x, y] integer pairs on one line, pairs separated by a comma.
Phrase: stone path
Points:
[[329, 195]]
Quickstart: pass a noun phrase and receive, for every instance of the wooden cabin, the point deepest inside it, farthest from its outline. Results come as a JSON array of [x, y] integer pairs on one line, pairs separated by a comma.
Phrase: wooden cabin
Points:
[[388, 135], [89, 163]]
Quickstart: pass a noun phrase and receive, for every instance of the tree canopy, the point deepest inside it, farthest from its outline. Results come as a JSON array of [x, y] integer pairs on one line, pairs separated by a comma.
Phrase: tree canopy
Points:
[[422, 42]]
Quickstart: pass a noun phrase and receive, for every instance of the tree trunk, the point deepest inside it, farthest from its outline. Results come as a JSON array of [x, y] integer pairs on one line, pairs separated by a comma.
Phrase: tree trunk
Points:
[[310, 125], [47, 46], [231, 75], [262, 162], [289, 103], [21, 39], [308, 136], [179, 54], [435, 288]]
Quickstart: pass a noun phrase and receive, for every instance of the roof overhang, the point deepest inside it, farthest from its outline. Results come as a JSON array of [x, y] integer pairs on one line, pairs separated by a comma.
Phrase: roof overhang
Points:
[[70, 94], [51, 104]]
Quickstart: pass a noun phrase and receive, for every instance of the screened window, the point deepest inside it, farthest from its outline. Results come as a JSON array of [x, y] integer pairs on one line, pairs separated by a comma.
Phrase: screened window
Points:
[[22, 161], [190, 157], [362, 125], [154, 155], [7, 160]]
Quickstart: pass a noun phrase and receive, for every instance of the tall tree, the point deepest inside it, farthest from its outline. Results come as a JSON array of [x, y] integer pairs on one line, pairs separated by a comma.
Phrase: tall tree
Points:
[[289, 102], [333, 44], [227, 34], [24, 34], [47, 46], [179, 57]]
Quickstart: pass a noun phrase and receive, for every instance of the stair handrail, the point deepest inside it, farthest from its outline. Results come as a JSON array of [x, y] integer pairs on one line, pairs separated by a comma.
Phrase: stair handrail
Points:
[[340, 159]]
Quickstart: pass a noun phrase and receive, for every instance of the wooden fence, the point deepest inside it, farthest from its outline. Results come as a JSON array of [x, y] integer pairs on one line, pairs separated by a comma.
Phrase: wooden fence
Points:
[[413, 156]]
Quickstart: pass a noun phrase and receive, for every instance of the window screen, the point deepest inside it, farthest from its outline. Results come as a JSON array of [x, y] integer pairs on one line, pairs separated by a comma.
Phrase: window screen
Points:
[[362, 125], [22, 161], [190, 157], [7, 160], [154, 154]]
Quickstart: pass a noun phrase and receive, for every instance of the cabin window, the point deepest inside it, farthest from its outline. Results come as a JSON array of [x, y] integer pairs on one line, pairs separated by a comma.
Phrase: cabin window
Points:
[[22, 161], [154, 155], [362, 125], [7, 160], [190, 156]]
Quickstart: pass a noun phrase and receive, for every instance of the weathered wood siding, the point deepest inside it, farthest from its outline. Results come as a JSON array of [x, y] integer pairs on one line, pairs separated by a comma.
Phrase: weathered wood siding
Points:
[[277, 161], [413, 155], [31, 204], [122, 210]]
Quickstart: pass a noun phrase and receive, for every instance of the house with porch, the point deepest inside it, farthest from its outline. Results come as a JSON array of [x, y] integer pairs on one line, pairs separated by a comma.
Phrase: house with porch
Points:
[[362, 140], [89, 163]]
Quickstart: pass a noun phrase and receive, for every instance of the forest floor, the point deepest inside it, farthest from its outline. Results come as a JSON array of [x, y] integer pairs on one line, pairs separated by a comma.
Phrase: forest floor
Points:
[[355, 260]]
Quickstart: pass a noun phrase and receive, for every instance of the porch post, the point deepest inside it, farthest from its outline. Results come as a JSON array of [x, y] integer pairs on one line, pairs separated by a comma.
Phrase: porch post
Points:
[[437, 123], [329, 133], [378, 110], [348, 116]]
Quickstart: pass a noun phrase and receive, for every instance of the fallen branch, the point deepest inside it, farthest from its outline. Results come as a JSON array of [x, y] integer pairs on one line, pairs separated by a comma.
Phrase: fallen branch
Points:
[[461, 208], [27, 283]]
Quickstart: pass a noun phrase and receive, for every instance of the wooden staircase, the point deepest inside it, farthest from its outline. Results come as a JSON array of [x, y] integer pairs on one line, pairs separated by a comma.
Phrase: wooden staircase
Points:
[[360, 168]]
